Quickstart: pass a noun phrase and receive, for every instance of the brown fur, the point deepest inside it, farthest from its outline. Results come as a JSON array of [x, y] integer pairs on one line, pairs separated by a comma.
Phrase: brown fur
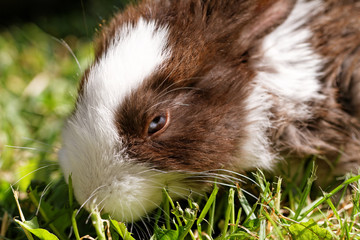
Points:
[[204, 132], [206, 81], [333, 133]]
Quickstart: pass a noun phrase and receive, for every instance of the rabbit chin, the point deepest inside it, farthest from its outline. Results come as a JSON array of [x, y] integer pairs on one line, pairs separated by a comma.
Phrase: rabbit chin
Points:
[[125, 190], [133, 197], [129, 202]]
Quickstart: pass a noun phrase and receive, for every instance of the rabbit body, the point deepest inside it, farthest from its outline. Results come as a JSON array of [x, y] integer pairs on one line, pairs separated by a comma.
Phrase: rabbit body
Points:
[[182, 90]]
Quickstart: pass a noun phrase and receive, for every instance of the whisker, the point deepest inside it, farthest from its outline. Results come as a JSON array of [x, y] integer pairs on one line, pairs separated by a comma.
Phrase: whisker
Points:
[[177, 89], [173, 194], [42, 195], [62, 42], [40, 168], [161, 185], [88, 218], [122, 209], [214, 182], [228, 185], [165, 91], [158, 206], [156, 170], [229, 178], [37, 141], [89, 198], [98, 204], [147, 229], [186, 189], [132, 218], [26, 148], [206, 174], [157, 104], [238, 174], [220, 177], [250, 194], [142, 206], [164, 101], [138, 227], [172, 71]]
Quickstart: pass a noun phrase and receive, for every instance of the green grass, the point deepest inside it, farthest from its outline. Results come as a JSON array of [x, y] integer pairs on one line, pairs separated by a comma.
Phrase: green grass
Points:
[[38, 81]]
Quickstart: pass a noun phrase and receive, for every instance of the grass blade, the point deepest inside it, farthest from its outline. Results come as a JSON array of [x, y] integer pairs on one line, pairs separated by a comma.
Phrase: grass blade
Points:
[[306, 192], [329, 195], [74, 225], [228, 212], [98, 224], [210, 203]]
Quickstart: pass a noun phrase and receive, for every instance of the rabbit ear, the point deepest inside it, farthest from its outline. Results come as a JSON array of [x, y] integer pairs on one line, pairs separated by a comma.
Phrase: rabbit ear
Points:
[[267, 14]]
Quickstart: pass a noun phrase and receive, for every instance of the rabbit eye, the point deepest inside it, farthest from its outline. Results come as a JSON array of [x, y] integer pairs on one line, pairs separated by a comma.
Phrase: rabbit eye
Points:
[[158, 124]]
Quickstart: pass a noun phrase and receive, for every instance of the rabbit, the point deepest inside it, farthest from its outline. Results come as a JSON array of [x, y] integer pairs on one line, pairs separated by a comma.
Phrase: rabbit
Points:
[[181, 92]]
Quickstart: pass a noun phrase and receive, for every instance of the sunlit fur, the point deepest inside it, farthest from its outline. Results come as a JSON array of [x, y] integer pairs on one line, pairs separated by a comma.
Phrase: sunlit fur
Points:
[[92, 151], [288, 87], [244, 86]]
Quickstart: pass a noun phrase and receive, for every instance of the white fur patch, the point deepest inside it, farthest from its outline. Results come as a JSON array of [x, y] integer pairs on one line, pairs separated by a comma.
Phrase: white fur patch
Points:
[[92, 148], [133, 55], [293, 82]]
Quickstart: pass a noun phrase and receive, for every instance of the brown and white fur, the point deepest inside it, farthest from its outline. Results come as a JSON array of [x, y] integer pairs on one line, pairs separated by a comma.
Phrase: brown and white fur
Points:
[[237, 84]]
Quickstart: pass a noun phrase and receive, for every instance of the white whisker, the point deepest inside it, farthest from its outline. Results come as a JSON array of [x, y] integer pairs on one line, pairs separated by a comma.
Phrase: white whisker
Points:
[[132, 217], [89, 198], [26, 148], [40, 168], [167, 77], [250, 194], [157, 104], [158, 206], [62, 42], [142, 231], [142, 206], [98, 204], [37, 141], [88, 218], [219, 177], [238, 174], [187, 189], [177, 89], [42, 195], [214, 182]]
